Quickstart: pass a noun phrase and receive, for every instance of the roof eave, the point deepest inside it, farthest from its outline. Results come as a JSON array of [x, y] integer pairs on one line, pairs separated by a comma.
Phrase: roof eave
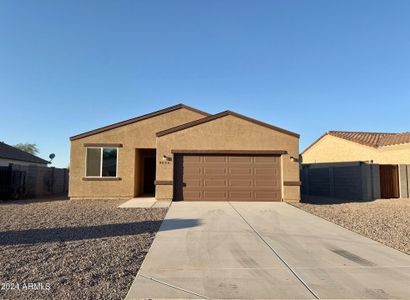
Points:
[[137, 119], [329, 133], [314, 143]]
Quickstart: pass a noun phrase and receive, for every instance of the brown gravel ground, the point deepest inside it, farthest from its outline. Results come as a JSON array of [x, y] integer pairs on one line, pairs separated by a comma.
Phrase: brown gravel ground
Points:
[[384, 220], [79, 249]]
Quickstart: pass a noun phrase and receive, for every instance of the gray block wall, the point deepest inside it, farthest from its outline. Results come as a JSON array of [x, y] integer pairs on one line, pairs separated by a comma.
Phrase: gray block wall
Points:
[[404, 181], [350, 181]]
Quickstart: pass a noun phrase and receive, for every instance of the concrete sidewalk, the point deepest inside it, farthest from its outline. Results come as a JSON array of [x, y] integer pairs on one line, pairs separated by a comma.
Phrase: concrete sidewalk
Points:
[[265, 250], [145, 202]]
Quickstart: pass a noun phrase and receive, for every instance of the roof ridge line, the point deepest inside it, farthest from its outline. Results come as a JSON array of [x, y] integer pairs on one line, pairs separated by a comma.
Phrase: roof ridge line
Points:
[[220, 115]]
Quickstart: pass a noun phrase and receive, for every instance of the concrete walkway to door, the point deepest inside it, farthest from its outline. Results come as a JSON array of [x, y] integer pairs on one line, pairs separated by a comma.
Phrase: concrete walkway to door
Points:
[[265, 250]]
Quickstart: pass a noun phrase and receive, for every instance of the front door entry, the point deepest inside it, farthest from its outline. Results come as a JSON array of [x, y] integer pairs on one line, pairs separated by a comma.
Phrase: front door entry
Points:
[[149, 175]]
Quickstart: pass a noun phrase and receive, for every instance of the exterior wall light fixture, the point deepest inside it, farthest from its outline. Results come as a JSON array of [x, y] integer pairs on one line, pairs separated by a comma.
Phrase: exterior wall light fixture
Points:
[[294, 159], [166, 158]]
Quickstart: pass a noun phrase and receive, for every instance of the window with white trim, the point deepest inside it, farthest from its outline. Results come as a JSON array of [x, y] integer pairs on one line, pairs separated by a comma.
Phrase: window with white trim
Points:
[[101, 162]]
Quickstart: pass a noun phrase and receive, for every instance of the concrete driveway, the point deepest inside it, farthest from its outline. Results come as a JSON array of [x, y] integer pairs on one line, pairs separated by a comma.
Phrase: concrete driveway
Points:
[[265, 251]]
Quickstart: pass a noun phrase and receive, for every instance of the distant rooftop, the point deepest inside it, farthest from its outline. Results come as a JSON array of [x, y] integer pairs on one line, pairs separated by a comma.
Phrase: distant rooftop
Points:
[[10, 152], [373, 139]]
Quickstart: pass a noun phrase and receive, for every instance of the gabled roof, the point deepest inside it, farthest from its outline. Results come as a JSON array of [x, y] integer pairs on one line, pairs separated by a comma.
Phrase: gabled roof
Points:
[[137, 119], [10, 152], [221, 115], [371, 139]]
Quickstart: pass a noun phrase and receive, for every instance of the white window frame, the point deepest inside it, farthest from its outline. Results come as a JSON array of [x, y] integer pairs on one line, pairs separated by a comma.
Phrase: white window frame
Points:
[[101, 162]]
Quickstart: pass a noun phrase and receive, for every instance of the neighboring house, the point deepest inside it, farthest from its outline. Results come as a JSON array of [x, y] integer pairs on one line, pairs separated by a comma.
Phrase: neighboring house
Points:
[[11, 155], [25, 175], [343, 146], [384, 169], [182, 153]]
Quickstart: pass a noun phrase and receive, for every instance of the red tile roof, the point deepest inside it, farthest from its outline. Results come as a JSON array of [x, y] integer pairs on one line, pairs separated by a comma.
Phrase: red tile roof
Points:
[[373, 139], [395, 139]]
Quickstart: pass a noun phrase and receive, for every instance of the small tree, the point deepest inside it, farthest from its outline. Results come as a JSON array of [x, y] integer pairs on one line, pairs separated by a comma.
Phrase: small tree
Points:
[[27, 147]]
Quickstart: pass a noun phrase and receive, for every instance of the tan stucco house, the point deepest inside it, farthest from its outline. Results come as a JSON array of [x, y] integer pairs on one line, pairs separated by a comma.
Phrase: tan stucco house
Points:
[[343, 146], [182, 153], [384, 159]]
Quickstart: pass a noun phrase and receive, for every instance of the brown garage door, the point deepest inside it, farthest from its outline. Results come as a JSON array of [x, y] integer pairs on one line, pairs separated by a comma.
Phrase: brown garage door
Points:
[[227, 177]]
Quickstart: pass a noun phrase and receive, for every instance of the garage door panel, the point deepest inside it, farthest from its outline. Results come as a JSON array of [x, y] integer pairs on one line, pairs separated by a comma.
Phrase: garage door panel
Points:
[[192, 159], [234, 183], [240, 195], [240, 171], [215, 171], [192, 195], [193, 183], [266, 183], [266, 195], [239, 159], [215, 195], [214, 159], [215, 183], [266, 171], [227, 177], [192, 170], [266, 159]]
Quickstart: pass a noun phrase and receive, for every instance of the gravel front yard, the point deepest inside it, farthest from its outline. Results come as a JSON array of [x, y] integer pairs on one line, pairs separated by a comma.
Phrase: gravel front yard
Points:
[[386, 221], [72, 249]]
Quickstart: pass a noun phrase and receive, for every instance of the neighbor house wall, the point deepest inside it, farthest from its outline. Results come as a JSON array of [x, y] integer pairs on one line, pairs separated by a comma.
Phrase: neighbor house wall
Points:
[[334, 149], [140, 134], [396, 154], [228, 133]]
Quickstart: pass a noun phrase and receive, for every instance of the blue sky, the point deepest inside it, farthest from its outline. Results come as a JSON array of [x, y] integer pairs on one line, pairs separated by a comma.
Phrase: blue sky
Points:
[[308, 66]]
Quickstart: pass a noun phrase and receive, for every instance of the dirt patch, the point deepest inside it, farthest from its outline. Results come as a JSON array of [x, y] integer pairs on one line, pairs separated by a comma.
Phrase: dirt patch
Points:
[[385, 220], [77, 249]]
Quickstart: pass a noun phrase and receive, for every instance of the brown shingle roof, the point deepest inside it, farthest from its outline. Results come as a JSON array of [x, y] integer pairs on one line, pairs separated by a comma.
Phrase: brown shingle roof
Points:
[[137, 119], [10, 152], [371, 139], [221, 115]]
